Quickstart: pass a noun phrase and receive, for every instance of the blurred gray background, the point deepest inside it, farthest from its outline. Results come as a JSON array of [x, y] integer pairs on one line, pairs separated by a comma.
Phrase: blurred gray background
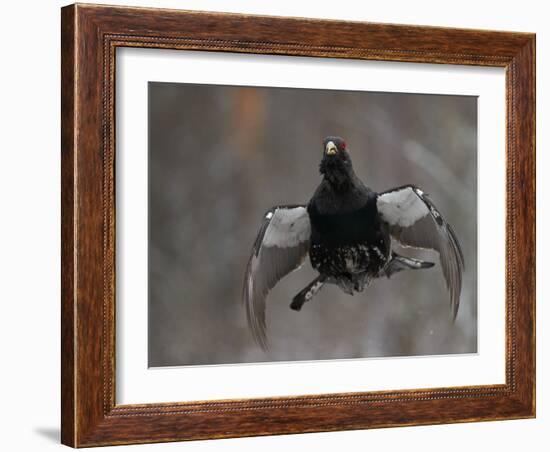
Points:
[[220, 156]]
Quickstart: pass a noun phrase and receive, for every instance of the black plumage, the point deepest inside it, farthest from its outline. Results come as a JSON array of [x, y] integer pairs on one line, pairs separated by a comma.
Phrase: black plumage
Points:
[[348, 230]]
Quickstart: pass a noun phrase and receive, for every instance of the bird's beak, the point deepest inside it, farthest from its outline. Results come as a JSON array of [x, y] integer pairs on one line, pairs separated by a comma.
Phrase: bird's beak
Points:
[[330, 148]]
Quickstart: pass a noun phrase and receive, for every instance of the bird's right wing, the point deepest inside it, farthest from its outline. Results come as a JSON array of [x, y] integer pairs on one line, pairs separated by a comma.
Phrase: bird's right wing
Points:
[[281, 246], [415, 222]]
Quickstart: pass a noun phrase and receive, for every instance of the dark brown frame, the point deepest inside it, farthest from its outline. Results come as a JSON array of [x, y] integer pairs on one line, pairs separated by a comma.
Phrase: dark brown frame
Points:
[[90, 34]]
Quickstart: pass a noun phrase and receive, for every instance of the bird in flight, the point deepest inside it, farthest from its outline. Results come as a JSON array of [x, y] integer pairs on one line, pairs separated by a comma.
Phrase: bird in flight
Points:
[[349, 232]]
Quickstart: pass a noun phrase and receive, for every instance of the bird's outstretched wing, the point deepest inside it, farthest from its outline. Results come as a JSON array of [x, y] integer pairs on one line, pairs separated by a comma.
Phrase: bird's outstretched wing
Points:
[[280, 247], [415, 222]]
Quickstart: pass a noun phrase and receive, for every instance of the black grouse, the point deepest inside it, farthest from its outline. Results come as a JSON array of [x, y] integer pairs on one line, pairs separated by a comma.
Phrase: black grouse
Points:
[[348, 230]]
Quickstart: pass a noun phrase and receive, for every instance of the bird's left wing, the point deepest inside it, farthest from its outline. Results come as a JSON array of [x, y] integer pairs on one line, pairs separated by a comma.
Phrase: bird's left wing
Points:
[[280, 247], [415, 222]]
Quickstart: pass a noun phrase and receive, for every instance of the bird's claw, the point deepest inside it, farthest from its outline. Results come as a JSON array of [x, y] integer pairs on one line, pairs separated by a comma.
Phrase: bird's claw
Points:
[[296, 305]]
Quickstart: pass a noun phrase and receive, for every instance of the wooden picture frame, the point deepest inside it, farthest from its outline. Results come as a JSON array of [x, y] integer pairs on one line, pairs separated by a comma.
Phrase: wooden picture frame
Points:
[[90, 36]]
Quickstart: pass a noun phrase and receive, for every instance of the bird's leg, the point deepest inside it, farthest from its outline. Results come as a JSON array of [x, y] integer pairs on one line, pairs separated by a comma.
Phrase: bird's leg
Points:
[[307, 293], [399, 263]]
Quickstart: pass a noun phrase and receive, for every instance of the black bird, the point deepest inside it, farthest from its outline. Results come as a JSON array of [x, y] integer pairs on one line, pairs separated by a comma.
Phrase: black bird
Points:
[[348, 231]]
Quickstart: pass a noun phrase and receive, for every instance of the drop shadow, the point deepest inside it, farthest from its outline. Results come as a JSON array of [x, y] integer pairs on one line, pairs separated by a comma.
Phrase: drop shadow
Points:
[[50, 433]]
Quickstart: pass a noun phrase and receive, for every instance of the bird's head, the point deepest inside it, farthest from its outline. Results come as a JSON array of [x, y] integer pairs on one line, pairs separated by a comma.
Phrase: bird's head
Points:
[[336, 164]]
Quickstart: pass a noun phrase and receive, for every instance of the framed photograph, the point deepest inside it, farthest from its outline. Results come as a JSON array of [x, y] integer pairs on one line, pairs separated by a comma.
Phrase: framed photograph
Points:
[[282, 225]]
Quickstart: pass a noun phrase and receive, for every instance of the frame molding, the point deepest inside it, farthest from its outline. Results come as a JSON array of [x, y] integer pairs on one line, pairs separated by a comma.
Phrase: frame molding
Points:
[[90, 35]]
